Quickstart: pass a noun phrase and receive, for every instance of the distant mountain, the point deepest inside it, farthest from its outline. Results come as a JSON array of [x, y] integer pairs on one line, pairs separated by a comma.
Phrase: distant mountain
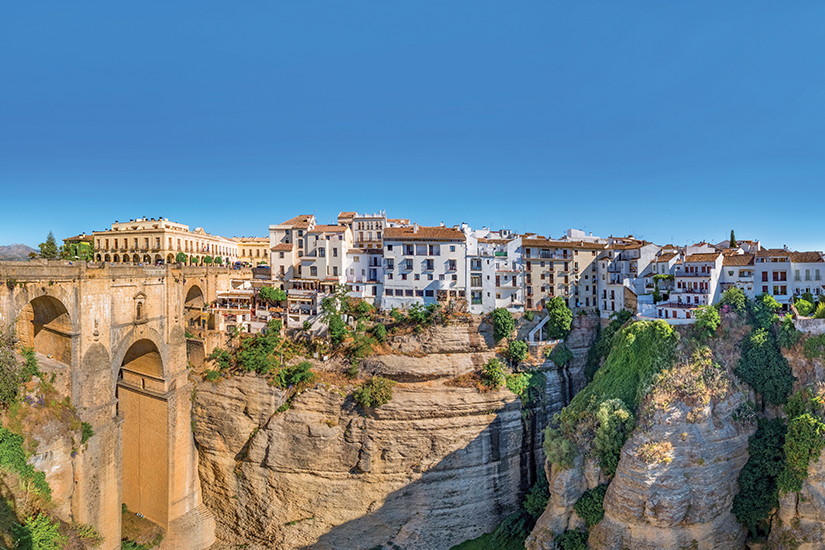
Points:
[[15, 252]]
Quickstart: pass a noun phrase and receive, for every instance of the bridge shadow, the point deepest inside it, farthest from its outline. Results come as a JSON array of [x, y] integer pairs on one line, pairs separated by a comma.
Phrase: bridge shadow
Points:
[[466, 494]]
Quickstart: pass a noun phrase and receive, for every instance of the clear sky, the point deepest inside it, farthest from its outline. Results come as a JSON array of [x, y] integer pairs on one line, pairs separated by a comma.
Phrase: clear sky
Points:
[[673, 121]]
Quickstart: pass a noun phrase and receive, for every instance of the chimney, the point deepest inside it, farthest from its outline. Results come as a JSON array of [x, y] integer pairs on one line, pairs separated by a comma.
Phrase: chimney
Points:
[[415, 228], [442, 224]]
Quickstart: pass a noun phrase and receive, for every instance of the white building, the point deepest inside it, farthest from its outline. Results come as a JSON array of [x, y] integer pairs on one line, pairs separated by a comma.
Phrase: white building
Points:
[[696, 285], [495, 274], [624, 269], [737, 272], [423, 264]]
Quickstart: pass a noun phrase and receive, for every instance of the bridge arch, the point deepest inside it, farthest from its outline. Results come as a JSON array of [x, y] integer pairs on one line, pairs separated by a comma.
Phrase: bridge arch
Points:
[[193, 307], [44, 324], [143, 404]]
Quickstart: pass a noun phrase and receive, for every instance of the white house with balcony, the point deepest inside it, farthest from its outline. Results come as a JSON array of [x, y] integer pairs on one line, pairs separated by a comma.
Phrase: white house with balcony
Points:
[[806, 271], [772, 273], [495, 277], [365, 273], [737, 272], [696, 285], [425, 265], [623, 269]]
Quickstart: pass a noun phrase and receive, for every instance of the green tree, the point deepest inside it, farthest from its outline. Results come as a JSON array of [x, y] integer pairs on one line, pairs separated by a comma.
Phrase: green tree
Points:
[[732, 239], [735, 299], [218, 260], [590, 506], [804, 307], [492, 373], [561, 319], [208, 259], [517, 351], [374, 392], [48, 249], [763, 311], [180, 258], [615, 425], [271, 294], [337, 330], [763, 366], [10, 368], [707, 321], [39, 532], [788, 336], [503, 324], [379, 332]]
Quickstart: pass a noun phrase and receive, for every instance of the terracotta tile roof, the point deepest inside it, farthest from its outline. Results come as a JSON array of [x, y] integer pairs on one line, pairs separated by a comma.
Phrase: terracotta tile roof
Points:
[[283, 247], [772, 252], [496, 241], [250, 239], [626, 246], [709, 257], [398, 220], [299, 221], [543, 242], [347, 214], [806, 257], [424, 233], [738, 259], [666, 257], [328, 229]]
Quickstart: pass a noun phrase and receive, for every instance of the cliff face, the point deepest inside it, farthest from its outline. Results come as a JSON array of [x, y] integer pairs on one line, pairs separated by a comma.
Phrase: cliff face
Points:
[[439, 464]]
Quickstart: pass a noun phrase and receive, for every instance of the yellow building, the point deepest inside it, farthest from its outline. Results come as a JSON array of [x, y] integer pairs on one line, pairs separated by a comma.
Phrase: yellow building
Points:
[[253, 250], [560, 268], [159, 241]]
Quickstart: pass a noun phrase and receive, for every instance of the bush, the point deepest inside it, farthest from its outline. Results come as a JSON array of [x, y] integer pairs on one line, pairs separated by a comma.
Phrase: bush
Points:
[[307, 326], [417, 314], [536, 500], [561, 318], [271, 294], [814, 346], [517, 351], [11, 371], [590, 506], [15, 459], [516, 526], [363, 309], [735, 299], [221, 357], [294, 375], [492, 373], [374, 392], [804, 440], [616, 424], [764, 367], [255, 354], [758, 488], [763, 311], [788, 336], [379, 332], [39, 533], [212, 375], [337, 330], [560, 355], [396, 315], [820, 308], [503, 324], [529, 316], [571, 540], [804, 307], [87, 432], [558, 449], [707, 321], [30, 366]]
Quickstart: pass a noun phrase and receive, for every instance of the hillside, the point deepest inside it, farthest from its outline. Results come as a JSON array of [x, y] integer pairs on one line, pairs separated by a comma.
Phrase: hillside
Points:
[[16, 252]]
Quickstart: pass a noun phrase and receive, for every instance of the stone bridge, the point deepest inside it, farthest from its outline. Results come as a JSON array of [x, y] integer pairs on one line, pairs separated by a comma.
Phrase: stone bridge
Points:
[[120, 333]]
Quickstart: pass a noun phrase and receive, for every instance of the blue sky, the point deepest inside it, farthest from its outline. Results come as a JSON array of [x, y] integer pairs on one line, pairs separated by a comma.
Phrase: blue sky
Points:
[[675, 121]]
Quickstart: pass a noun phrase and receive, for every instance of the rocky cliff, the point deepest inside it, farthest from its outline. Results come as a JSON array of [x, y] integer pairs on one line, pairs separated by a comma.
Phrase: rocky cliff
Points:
[[439, 464]]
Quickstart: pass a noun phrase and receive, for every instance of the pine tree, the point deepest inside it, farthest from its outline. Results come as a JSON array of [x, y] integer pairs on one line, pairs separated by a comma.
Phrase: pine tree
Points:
[[732, 239], [48, 249]]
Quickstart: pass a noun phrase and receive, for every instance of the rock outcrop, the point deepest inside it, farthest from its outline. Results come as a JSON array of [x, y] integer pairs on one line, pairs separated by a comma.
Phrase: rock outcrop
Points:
[[439, 464]]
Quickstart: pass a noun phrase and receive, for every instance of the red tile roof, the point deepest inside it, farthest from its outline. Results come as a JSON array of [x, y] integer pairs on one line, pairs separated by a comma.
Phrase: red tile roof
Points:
[[299, 221], [424, 233], [738, 259], [283, 247], [709, 257]]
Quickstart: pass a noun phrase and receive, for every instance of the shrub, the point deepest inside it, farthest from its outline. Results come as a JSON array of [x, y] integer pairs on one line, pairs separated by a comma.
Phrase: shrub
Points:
[[503, 324], [212, 375], [519, 382], [615, 425], [396, 315], [221, 357], [517, 351], [707, 321], [758, 489], [492, 373], [561, 318], [379, 332], [590, 506], [560, 355], [529, 316], [337, 330], [271, 294], [516, 526], [764, 367], [787, 336], [30, 366], [571, 540], [181, 258], [10, 368], [294, 375], [804, 307], [14, 458], [763, 311], [820, 308], [417, 314], [255, 354], [735, 299], [814, 346], [307, 326], [353, 370], [39, 533], [804, 439], [558, 449], [87, 432], [536, 500], [363, 309], [374, 392]]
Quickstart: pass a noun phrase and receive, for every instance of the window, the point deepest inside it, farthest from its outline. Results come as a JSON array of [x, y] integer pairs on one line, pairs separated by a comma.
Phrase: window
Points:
[[281, 255], [417, 277], [399, 292], [419, 293], [429, 276], [300, 232], [313, 271], [451, 266], [408, 292], [335, 271], [475, 280], [475, 265], [730, 273], [765, 278], [409, 250], [322, 252], [389, 276], [441, 277], [807, 274], [403, 276], [430, 265], [764, 289], [389, 247], [300, 243], [390, 264], [455, 277], [334, 252], [452, 248], [408, 264], [429, 293], [796, 275]]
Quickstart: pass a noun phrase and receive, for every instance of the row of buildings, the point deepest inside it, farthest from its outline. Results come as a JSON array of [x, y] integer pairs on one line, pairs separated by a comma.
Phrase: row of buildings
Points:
[[396, 263]]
